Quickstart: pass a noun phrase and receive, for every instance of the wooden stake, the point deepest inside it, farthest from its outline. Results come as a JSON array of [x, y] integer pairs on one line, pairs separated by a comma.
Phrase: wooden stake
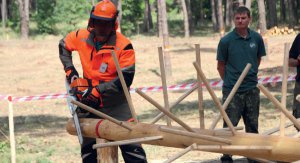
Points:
[[232, 93], [200, 93], [181, 153], [124, 86], [195, 135], [108, 154], [11, 130], [214, 97], [125, 142], [164, 82], [166, 112], [102, 115], [160, 115], [284, 86], [278, 104]]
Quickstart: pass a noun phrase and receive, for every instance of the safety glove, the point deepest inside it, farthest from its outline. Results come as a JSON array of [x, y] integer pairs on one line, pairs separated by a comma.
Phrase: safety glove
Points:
[[92, 98], [71, 74]]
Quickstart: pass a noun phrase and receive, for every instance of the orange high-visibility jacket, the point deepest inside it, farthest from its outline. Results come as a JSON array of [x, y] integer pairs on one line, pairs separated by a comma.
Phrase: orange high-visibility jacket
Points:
[[98, 66]]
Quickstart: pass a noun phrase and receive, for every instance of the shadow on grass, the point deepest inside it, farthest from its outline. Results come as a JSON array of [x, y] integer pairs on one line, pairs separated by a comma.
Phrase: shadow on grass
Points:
[[35, 125]]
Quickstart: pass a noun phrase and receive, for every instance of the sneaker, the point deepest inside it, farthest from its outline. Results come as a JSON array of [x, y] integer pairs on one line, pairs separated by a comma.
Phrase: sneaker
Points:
[[226, 159]]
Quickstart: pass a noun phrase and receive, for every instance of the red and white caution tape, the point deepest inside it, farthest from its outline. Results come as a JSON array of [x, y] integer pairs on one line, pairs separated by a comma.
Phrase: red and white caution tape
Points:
[[214, 84]]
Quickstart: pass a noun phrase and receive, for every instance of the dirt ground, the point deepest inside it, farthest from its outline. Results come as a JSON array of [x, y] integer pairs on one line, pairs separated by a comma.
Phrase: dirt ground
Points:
[[33, 68]]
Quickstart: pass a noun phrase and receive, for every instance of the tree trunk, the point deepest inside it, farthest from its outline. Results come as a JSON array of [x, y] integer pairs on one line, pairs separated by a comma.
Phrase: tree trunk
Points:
[[148, 24], [229, 13], [165, 34], [93, 2], [262, 16], [282, 10], [220, 18], [159, 20], [190, 16], [186, 19], [4, 13], [272, 21], [120, 15], [292, 16], [248, 4], [24, 15], [213, 15], [201, 12]]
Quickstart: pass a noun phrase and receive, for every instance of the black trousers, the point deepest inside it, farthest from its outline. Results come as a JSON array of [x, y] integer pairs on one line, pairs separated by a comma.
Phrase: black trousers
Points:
[[133, 153]]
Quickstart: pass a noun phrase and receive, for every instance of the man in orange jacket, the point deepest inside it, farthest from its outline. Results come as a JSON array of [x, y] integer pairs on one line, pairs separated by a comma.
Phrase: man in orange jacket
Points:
[[105, 92]]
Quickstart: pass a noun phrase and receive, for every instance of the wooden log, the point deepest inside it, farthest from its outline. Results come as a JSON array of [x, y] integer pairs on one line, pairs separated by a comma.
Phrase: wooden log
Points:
[[195, 135], [108, 154], [102, 115], [214, 97], [283, 148]]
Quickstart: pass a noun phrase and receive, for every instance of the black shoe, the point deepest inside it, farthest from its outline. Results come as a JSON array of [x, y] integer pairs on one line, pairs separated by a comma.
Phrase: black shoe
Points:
[[226, 159]]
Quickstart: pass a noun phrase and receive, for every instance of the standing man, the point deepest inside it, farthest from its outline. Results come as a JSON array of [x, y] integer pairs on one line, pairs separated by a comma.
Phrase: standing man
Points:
[[104, 93], [294, 61], [235, 50]]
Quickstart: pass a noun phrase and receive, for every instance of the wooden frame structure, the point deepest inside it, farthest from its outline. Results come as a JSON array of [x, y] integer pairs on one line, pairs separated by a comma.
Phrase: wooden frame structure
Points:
[[261, 147]]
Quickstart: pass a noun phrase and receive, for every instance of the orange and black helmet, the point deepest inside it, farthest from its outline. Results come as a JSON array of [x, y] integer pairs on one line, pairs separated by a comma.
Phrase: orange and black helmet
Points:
[[104, 10]]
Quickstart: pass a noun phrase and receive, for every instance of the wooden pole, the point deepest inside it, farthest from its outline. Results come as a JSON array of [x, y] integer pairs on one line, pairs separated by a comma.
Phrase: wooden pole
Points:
[[276, 129], [278, 104], [181, 153], [102, 115], [160, 115], [164, 82], [283, 148], [11, 130], [166, 112], [195, 135], [200, 92], [124, 86], [214, 97], [232, 93], [284, 86], [126, 142]]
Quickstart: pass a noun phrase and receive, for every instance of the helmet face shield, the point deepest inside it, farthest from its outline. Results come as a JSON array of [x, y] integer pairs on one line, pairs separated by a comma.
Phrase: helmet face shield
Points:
[[103, 17], [102, 29]]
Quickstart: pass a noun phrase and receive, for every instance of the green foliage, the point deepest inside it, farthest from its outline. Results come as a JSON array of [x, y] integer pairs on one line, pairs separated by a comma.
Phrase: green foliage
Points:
[[4, 146], [14, 17], [132, 16], [44, 16], [70, 14]]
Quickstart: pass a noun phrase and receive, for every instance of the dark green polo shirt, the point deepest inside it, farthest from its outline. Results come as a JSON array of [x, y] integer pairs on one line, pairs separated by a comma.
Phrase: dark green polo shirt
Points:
[[237, 51]]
